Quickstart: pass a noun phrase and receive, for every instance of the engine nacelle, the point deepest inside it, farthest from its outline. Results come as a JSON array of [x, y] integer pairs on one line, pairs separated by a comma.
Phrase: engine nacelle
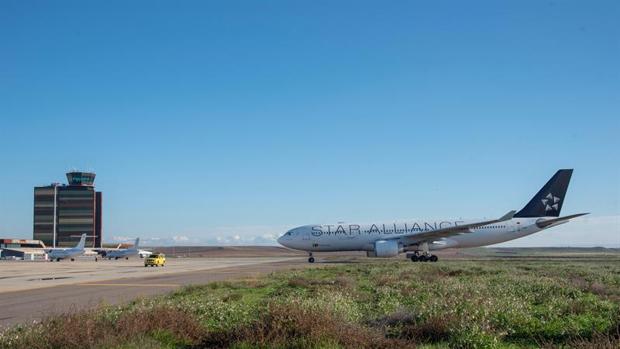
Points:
[[385, 248]]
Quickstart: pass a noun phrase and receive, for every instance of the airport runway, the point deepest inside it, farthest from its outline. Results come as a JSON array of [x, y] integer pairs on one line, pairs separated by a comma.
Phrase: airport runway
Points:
[[25, 275], [25, 296]]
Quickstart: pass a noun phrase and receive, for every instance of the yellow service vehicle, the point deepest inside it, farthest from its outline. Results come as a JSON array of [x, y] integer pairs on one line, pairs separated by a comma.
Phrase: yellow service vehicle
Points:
[[155, 260]]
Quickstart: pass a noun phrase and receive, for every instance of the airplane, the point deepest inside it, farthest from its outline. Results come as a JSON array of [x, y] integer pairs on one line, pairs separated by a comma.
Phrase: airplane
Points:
[[124, 252], [420, 237], [63, 253], [144, 253]]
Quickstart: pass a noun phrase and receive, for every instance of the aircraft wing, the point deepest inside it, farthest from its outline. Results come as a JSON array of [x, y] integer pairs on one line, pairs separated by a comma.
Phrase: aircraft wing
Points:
[[455, 230]]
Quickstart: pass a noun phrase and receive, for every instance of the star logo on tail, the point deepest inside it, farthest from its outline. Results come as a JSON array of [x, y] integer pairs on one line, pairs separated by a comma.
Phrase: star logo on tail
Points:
[[551, 202]]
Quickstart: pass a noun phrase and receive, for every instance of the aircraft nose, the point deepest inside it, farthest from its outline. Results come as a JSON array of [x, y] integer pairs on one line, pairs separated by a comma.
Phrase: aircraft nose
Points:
[[281, 240]]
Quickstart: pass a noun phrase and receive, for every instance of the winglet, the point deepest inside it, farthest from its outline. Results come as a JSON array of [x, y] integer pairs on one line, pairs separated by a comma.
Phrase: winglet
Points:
[[508, 216]]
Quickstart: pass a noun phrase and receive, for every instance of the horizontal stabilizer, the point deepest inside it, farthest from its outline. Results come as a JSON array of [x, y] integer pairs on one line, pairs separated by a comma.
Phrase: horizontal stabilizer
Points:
[[543, 223]]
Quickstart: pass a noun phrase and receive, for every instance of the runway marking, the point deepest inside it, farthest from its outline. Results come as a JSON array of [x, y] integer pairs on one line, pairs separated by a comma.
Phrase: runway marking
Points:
[[132, 285]]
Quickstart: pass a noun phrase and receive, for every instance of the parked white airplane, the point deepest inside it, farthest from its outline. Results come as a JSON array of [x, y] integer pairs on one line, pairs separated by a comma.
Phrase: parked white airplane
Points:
[[63, 253], [420, 237], [124, 252]]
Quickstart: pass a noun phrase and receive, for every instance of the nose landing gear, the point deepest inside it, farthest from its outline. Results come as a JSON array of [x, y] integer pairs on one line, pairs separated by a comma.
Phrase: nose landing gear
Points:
[[310, 259]]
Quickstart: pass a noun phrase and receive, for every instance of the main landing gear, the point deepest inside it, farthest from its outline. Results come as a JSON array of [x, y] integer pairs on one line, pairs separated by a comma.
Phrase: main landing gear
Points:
[[425, 257], [310, 259]]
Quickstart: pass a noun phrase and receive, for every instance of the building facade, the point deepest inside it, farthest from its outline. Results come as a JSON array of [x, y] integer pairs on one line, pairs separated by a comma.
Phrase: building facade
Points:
[[20, 248], [63, 212]]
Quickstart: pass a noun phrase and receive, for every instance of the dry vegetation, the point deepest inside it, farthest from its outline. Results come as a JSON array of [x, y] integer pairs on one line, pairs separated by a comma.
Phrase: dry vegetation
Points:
[[373, 304]]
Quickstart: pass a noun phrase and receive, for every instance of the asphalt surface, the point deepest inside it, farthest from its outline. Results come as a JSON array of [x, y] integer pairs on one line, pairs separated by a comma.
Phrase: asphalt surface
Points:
[[26, 275], [28, 305]]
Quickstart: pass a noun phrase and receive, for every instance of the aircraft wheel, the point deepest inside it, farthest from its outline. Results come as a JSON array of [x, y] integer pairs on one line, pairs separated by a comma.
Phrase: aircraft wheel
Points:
[[434, 258], [414, 258], [127, 258], [115, 258], [57, 259], [311, 260], [422, 258], [72, 259]]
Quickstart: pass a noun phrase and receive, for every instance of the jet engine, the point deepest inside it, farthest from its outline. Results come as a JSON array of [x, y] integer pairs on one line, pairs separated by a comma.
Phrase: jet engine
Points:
[[385, 248]]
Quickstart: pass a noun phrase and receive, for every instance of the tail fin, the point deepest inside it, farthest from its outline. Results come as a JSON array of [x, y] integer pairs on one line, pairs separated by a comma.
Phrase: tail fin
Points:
[[80, 244], [137, 244], [548, 201]]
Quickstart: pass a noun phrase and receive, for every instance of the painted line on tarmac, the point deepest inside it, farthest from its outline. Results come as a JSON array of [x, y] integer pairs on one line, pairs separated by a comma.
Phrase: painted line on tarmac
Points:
[[132, 285]]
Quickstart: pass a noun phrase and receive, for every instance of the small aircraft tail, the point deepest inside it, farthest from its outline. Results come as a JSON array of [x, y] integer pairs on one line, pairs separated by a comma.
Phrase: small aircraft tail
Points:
[[548, 201], [82, 242]]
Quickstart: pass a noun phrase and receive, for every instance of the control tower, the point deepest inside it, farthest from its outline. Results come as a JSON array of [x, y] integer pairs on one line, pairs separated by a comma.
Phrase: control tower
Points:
[[63, 212]]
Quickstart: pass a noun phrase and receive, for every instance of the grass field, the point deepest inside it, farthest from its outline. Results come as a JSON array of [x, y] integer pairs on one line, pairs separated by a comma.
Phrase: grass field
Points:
[[371, 303]]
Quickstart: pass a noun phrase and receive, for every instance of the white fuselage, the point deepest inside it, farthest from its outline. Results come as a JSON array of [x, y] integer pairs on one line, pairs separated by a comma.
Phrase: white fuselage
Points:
[[362, 237], [122, 253], [64, 253]]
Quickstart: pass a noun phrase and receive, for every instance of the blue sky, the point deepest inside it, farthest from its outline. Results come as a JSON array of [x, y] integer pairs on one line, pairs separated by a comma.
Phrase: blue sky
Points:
[[235, 120]]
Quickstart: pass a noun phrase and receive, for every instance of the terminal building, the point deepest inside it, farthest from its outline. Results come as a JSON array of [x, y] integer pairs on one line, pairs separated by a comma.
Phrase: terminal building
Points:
[[21, 249], [63, 212]]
